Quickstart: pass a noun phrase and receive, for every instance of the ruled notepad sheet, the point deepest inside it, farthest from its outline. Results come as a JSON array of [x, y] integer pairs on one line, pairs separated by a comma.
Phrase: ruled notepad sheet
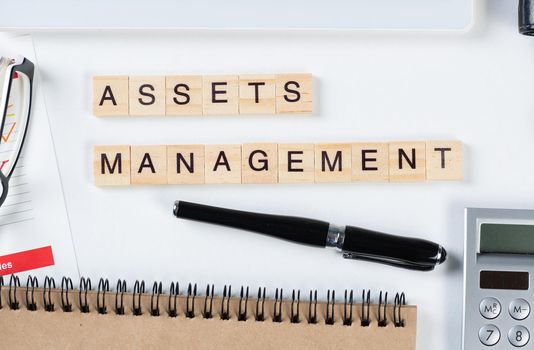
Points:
[[34, 214], [18, 205]]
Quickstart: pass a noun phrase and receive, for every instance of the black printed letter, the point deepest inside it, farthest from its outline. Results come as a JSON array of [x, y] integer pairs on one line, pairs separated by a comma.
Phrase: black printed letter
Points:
[[104, 162], [411, 162], [222, 160], [146, 163], [187, 98], [295, 92], [105, 97], [263, 161], [256, 90], [442, 151], [365, 159], [325, 160], [180, 158], [141, 92], [215, 92], [290, 161]]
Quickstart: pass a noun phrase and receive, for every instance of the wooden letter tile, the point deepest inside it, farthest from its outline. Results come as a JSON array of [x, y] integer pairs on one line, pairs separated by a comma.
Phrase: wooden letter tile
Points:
[[259, 163], [370, 161], [257, 94], [294, 93], [149, 165], [296, 163], [444, 160], [110, 95], [185, 164], [183, 95], [147, 95], [333, 162], [111, 165], [220, 94], [407, 161], [223, 164]]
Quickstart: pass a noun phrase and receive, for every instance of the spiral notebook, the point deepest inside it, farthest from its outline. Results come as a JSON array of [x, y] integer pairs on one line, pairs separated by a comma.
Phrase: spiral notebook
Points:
[[97, 316]]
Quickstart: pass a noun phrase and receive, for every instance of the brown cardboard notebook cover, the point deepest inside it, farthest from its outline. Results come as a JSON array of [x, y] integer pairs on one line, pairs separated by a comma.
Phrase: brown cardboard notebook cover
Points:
[[25, 329]]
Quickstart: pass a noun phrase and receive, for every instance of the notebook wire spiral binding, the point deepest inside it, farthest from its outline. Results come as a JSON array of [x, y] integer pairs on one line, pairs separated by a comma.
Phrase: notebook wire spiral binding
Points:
[[173, 299]]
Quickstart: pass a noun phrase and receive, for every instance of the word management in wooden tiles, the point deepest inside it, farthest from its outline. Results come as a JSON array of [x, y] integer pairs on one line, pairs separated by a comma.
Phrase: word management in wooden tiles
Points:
[[268, 163], [202, 95]]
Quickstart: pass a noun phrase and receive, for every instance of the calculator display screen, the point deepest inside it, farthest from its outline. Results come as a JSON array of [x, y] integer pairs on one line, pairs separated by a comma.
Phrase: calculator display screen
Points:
[[507, 239], [512, 280]]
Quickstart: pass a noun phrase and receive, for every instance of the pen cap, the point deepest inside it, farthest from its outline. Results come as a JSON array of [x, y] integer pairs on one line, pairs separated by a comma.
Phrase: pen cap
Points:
[[526, 17], [400, 251], [301, 230]]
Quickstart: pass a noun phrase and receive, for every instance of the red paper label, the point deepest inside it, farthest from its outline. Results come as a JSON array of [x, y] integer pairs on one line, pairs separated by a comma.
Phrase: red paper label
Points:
[[26, 260]]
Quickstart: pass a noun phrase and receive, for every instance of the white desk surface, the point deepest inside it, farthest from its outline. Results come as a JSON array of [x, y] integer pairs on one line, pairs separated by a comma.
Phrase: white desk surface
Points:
[[475, 87], [216, 14]]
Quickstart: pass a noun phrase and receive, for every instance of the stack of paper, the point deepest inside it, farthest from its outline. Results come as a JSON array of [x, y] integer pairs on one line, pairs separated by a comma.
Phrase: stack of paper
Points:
[[34, 227]]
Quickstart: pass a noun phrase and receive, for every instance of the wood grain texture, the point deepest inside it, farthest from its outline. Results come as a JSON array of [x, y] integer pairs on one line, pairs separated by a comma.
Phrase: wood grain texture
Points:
[[223, 164], [370, 161], [183, 95], [257, 94], [111, 165], [407, 161], [333, 162], [110, 96], [296, 163], [294, 93], [185, 164], [259, 164], [444, 160], [149, 165], [176, 95], [220, 94], [147, 95]]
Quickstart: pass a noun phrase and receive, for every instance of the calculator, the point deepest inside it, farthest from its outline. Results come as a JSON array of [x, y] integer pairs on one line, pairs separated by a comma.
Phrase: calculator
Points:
[[498, 266]]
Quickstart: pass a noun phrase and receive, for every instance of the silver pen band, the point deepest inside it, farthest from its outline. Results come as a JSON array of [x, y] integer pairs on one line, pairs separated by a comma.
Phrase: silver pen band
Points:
[[335, 236]]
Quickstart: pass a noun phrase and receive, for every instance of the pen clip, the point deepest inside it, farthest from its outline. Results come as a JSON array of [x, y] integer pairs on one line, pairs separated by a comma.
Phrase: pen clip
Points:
[[389, 261]]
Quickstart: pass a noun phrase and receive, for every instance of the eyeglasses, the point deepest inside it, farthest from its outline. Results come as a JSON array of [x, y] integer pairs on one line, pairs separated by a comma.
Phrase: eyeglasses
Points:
[[16, 83]]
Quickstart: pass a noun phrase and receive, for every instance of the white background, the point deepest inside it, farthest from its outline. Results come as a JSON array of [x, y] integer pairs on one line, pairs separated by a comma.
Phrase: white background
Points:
[[475, 87], [180, 14]]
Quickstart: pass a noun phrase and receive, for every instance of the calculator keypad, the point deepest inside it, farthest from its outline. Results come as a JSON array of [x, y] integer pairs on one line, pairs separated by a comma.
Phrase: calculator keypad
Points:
[[518, 336], [490, 308], [490, 334], [519, 309]]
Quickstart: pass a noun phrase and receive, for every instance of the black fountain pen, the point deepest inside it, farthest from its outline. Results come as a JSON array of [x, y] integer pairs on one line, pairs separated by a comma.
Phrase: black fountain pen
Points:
[[353, 242]]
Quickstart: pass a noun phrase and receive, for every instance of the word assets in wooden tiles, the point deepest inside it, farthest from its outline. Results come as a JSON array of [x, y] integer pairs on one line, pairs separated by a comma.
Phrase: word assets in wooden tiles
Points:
[[269, 163], [202, 95]]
